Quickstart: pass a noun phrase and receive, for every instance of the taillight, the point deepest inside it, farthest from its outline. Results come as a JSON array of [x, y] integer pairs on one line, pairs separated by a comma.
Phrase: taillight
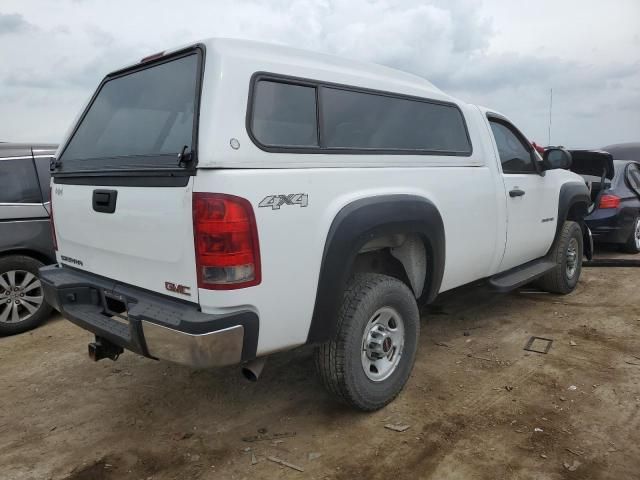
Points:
[[609, 201], [53, 226], [226, 242]]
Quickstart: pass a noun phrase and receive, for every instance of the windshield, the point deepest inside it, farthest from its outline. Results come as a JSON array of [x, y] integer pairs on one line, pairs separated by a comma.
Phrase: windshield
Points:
[[140, 120]]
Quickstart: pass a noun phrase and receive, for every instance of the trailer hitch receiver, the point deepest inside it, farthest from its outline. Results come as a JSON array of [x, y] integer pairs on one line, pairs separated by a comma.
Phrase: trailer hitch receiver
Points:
[[103, 348]]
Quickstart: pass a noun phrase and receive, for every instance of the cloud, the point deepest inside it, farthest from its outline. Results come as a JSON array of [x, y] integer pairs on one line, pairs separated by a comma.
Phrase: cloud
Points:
[[13, 23], [466, 47]]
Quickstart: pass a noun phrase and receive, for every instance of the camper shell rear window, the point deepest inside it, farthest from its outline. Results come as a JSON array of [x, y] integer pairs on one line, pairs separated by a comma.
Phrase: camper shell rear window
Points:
[[139, 119]]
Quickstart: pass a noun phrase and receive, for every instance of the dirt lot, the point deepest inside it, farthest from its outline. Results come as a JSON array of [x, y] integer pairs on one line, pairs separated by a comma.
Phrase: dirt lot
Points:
[[478, 405]]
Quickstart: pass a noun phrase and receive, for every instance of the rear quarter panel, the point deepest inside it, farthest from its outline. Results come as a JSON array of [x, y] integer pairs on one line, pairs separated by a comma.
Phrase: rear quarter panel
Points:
[[27, 235], [292, 238]]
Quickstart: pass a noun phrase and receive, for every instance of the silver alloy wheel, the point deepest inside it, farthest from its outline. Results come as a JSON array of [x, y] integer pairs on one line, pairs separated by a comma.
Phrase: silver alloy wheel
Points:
[[636, 233], [572, 258], [20, 296], [382, 344]]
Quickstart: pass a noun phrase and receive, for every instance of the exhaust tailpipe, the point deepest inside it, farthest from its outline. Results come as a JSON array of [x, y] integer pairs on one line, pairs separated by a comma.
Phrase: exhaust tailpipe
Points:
[[252, 370]]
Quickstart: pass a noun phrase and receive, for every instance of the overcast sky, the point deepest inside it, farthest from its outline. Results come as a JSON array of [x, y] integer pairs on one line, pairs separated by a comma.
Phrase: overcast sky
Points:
[[502, 54]]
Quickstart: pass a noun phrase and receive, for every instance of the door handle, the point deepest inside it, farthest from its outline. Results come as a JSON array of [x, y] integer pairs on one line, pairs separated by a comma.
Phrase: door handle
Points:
[[105, 200], [516, 192]]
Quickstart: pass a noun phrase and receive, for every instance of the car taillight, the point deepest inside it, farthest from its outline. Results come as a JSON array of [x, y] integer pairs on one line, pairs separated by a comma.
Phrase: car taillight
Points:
[[609, 201], [53, 226], [226, 242]]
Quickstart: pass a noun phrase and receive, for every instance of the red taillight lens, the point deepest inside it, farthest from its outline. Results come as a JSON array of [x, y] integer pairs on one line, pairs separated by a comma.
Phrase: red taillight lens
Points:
[[609, 201], [226, 242], [53, 226]]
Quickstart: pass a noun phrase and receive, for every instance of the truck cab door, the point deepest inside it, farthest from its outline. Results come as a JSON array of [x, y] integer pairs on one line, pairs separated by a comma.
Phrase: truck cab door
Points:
[[531, 199]]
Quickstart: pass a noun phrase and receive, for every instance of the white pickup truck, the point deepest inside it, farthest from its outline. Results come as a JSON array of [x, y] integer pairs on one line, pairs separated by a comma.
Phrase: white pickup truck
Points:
[[220, 202]]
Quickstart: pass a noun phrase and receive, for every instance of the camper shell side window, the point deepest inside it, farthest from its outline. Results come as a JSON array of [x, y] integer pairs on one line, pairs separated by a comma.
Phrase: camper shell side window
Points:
[[287, 114]]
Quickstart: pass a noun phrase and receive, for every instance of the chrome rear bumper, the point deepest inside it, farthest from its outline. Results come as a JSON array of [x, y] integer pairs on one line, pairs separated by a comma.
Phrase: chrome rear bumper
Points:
[[153, 325], [222, 347]]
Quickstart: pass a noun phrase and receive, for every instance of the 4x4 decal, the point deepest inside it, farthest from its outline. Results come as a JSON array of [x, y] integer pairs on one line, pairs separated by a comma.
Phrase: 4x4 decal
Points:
[[276, 201]]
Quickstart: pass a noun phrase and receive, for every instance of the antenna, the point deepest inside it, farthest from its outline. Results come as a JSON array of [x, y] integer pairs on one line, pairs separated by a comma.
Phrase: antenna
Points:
[[550, 110]]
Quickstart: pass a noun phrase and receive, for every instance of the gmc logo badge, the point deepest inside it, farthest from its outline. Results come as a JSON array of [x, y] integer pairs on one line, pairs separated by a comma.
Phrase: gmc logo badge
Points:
[[181, 289]]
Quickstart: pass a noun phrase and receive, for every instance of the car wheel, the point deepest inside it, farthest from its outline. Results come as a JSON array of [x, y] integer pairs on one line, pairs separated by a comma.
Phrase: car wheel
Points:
[[369, 360], [22, 305], [633, 242], [567, 251]]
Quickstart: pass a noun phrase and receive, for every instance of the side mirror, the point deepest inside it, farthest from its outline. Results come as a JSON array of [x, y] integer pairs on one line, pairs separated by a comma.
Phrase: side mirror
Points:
[[556, 157]]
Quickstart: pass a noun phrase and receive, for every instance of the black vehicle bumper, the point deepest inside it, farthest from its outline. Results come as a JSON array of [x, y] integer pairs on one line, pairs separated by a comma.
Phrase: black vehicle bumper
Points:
[[150, 324]]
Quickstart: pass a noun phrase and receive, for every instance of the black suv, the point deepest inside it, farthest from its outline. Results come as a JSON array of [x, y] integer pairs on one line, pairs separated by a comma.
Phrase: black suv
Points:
[[26, 242]]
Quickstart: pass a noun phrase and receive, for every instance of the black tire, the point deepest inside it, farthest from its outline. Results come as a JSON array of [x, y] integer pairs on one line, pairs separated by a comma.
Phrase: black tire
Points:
[[339, 362], [31, 265], [559, 280], [631, 245]]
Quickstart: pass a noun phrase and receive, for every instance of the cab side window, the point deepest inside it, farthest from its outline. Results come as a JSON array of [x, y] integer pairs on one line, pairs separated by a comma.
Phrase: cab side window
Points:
[[515, 154]]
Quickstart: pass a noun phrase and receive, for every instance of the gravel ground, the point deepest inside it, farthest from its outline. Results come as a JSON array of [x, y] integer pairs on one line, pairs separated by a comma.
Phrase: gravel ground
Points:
[[477, 406]]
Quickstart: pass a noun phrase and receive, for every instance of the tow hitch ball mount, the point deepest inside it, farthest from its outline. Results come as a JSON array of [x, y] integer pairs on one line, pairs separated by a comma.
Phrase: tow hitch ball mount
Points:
[[103, 348]]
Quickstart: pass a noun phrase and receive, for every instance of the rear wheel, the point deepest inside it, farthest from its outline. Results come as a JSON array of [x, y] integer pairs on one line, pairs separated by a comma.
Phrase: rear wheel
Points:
[[22, 305], [633, 242], [567, 251], [369, 361]]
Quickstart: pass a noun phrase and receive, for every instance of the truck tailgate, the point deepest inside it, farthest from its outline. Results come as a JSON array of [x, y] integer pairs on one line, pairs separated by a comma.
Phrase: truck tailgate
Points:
[[147, 241]]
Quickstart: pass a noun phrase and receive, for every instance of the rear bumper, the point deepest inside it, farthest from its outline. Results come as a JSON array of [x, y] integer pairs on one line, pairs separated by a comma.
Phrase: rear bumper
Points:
[[610, 225], [152, 325]]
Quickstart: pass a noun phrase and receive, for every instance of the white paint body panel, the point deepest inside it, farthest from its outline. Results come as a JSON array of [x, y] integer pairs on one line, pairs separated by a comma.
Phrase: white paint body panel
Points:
[[149, 240], [292, 239]]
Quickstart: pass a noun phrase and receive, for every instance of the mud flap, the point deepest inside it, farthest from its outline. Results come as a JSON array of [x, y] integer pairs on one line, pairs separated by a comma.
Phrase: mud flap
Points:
[[587, 241]]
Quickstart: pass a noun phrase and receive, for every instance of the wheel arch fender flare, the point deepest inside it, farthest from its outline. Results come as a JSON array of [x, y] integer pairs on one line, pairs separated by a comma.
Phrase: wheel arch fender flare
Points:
[[573, 204], [356, 224]]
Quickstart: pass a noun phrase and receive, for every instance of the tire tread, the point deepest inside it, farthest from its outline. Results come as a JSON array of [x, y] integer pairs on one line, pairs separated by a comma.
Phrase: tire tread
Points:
[[554, 281], [330, 358]]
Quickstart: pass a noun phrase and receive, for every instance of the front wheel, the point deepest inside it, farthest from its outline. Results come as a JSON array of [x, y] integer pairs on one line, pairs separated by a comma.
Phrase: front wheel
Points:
[[369, 360], [567, 251]]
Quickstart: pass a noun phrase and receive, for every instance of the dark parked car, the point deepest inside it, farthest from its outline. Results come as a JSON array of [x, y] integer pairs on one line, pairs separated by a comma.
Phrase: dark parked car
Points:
[[25, 234], [616, 215], [624, 151]]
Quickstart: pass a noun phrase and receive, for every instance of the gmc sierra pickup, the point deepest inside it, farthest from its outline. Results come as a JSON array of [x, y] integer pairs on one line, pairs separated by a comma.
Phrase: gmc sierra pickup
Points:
[[217, 203]]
